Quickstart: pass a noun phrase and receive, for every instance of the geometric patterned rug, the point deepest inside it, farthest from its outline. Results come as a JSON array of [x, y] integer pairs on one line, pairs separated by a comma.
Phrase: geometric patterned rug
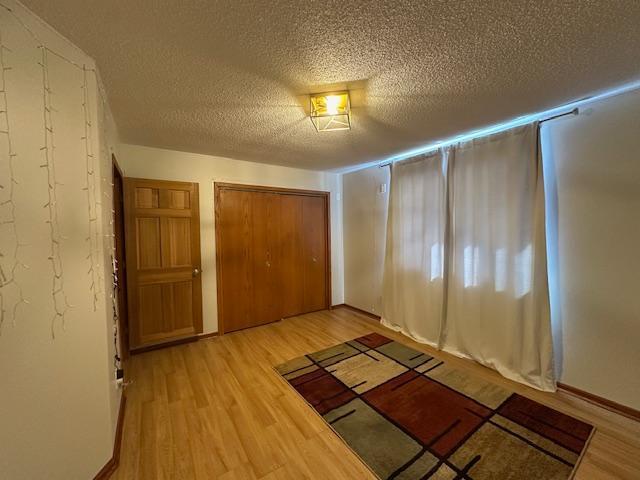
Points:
[[410, 416]]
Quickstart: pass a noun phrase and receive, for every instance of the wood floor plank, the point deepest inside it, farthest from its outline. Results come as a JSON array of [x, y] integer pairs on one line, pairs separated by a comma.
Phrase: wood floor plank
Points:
[[217, 409]]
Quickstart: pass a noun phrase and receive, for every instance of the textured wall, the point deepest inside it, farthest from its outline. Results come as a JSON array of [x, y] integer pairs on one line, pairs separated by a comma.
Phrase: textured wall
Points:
[[59, 404], [161, 164]]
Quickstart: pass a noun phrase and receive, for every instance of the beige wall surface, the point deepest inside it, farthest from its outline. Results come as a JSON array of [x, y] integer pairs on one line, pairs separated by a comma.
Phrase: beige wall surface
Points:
[[59, 402], [365, 220], [592, 178], [146, 162], [592, 174]]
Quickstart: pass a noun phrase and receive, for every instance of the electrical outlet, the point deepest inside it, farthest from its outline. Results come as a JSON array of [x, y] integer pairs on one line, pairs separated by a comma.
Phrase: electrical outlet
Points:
[[383, 188]]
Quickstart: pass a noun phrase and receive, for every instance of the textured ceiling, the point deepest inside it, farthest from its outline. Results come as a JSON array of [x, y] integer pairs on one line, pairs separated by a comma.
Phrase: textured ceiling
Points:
[[229, 78]]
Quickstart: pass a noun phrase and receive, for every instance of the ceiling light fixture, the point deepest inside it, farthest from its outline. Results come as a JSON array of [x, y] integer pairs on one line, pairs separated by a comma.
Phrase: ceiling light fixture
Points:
[[331, 111]]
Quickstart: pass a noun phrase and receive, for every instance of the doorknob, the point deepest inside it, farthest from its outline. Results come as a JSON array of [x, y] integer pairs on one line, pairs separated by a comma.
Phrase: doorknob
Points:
[[314, 259], [268, 263], [195, 272]]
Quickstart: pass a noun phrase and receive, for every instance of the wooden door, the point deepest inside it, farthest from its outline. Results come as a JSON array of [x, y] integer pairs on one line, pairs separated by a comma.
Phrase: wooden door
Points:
[[314, 254], [162, 233], [265, 296], [248, 246], [292, 253], [303, 254], [271, 252]]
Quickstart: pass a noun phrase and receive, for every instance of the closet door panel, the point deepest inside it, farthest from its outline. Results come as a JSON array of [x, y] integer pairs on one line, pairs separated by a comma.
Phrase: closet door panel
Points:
[[314, 253], [292, 255], [234, 226], [266, 264]]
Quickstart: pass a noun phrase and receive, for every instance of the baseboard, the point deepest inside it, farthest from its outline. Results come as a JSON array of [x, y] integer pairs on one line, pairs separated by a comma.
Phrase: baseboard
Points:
[[357, 310], [172, 343], [111, 466], [601, 402], [204, 336]]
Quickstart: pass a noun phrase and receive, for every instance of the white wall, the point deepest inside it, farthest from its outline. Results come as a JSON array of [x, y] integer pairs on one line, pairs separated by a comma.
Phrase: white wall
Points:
[[59, 402], [146, 162], [592, 174], [365, 221]]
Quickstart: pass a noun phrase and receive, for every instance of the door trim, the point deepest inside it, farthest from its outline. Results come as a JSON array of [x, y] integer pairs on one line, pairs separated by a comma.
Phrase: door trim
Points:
[[220, 186], [120, 255]]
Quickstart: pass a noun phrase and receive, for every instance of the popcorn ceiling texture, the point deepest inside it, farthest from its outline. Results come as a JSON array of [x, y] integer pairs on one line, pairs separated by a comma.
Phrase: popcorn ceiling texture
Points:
[[229, 78]]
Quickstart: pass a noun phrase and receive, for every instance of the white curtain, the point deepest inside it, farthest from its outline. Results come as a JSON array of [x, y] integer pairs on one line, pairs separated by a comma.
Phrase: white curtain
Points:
[[498, 299], [490, 302], [413, 281]]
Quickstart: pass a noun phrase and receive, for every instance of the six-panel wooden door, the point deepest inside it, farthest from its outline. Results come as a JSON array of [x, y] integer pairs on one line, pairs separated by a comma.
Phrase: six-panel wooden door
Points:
[[162, 230], [272, 252]]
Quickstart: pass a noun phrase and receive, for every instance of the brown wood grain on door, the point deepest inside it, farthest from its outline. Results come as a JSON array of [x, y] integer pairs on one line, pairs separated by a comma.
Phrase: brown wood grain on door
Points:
[[162, 231], [291, 255], [272, 251], [314, 253]]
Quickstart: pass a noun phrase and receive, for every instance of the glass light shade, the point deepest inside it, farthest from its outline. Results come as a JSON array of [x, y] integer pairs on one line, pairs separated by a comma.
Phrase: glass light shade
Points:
[[331, 111]]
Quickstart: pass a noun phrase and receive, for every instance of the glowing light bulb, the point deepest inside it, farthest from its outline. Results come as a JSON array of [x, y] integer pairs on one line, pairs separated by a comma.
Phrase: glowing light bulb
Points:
[[333, 102]]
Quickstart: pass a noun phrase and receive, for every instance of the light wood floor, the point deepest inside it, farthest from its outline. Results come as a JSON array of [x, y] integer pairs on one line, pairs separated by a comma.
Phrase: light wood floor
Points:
[[216, 409]]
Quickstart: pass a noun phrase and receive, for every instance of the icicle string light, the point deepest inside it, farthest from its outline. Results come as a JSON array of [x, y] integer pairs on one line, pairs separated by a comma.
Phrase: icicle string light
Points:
[[92, 239], [59, 297], [115, 268], [61, 304], [8, 275]]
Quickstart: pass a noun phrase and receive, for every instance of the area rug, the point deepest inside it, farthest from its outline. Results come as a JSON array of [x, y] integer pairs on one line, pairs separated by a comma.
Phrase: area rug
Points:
[[410, 416]]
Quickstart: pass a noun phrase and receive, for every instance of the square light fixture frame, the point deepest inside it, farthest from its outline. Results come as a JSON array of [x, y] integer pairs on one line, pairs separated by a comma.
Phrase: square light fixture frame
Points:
[[330, 111]]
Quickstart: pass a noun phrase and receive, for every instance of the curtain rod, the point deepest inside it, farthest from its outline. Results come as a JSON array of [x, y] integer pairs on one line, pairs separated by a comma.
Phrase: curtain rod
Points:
[[574, 111]]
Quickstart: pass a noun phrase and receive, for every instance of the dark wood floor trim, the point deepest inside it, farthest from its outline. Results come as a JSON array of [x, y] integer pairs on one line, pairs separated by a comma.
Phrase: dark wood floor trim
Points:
[[111, 466], [173, 343], [601, 402], [204, 336], [357, 310]]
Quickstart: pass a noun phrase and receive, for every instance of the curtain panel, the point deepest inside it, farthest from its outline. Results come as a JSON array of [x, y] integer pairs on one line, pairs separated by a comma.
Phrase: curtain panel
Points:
[[491, 302], [413, 280]]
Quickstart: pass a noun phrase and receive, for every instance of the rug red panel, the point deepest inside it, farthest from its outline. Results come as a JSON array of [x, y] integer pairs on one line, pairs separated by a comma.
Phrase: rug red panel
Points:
[[438, 416]]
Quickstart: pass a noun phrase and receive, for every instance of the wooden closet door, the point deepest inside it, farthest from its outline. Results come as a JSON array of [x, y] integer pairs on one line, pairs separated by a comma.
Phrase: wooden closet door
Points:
[[266, 262], [272, 254], [315, 253], [247, 233], [292, 254], [162, 236], [234, 258]]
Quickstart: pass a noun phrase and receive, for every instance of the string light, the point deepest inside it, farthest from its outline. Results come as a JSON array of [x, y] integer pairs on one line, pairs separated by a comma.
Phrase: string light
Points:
[[107, 168], [90, 188], [8, 276], [61, 304]]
